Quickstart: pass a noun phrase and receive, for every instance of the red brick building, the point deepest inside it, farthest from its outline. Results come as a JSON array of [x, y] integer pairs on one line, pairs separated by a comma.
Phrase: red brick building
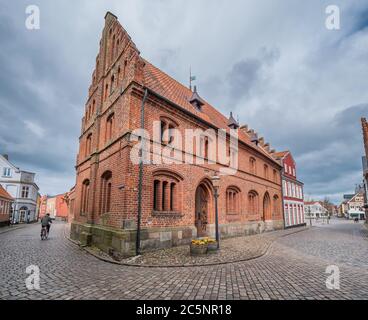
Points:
[[293, 196], [6, 201], [43, 206], [177, 200], [56, 206]]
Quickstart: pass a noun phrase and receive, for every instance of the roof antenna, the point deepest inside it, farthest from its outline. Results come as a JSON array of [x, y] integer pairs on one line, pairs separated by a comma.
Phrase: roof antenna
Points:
[[191, 78]]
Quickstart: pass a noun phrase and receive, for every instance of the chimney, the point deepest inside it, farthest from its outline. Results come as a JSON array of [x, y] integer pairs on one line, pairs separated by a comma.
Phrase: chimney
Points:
[[6, 156]]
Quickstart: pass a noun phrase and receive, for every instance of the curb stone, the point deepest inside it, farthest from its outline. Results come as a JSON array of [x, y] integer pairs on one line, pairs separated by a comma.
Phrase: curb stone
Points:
[[106, 259]]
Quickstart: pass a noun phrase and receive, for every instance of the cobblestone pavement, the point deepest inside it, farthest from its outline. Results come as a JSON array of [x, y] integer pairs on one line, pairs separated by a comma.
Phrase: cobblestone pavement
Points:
[[232, 250], [293, 268]]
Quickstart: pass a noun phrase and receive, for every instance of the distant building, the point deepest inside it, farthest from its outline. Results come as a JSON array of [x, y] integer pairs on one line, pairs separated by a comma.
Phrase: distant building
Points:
[[22, 187], [293, 197], [355, 207], [70, 199], [314, 210], [6, 202], [365, 166], [56, 206], [343, 207]]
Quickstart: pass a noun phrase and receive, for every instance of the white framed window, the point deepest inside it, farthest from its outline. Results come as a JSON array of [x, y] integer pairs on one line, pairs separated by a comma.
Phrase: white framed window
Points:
[[294, 172], [285, 165], [6, 172], [25, 191], [285, 188]]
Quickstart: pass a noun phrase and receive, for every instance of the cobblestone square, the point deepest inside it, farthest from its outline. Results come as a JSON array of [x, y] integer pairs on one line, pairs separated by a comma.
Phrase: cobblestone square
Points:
[[293, 267]]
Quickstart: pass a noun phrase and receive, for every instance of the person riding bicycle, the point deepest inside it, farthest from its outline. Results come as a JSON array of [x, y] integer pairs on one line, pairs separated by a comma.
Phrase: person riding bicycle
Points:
[[45, 221]]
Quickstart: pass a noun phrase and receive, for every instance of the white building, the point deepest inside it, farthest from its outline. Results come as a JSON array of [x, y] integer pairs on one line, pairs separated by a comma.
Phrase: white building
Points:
[[22, 187], [314, 210]]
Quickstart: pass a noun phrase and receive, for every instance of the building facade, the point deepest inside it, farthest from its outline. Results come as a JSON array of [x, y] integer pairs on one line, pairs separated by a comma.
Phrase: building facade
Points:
[[315, 210], [293, 196], [6, 203], [174, 199], [22, 187], [355, 207], [343, 207], [56, 206], [365, 166]]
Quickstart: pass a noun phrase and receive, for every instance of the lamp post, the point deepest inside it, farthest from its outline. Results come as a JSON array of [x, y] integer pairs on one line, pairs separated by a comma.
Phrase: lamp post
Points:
[[310, 217], [216, 183]]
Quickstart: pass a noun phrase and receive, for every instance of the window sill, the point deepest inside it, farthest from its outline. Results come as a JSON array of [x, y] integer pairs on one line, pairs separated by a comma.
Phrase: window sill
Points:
[[169, 214]]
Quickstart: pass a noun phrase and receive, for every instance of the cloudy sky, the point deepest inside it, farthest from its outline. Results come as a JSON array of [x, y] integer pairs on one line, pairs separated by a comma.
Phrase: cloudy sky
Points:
[[274, 64]]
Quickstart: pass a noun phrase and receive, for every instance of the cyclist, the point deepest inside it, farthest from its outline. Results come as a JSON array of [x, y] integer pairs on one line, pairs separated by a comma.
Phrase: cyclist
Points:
[[45, 222]]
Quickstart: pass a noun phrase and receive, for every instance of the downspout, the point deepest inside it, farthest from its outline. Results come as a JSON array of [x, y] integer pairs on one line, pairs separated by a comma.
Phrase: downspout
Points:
[[140, 180]]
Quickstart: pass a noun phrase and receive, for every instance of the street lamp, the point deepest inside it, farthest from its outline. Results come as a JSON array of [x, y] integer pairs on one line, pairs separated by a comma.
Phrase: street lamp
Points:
[[310, 217], [216, 184]]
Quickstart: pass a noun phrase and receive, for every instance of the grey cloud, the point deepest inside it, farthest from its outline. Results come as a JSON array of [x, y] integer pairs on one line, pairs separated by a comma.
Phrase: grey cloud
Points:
[[291, 81]]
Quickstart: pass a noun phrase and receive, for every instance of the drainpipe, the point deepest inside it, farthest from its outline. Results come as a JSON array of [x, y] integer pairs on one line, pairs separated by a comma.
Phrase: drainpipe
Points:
[[138, 238]]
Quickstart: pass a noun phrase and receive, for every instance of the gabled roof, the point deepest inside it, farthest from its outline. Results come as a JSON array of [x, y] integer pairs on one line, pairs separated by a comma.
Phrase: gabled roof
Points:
[[4, 194], [167, 87], [9, 163], [281, 154], [355, 195]]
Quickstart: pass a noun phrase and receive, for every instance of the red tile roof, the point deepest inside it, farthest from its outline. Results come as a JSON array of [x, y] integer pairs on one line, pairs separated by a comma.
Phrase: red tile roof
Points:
[[167, 87], [4, 194], [280, 154]]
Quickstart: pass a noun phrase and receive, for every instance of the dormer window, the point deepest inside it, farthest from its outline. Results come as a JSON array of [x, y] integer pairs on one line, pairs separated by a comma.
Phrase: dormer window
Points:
[[196, 100], [232, 123]]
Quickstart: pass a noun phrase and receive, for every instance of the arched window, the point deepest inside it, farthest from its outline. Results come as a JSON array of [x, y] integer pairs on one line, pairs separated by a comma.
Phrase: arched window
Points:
[[117, 47], [166, 191], [105, 195], [112, 84], [275, 176], [125, 67], [156, 195], [112, 49], [252, 165], [276, 206], [253, 202], [88, 112], [267, 210], [106, 90], [233, 200], [265, 171], [167, 130], [88, 145], [93, 106], [118, 77], [84, 197], [109, 127]]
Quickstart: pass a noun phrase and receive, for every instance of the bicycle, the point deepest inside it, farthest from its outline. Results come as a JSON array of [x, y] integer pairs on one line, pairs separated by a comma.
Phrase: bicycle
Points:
[[44, 233]]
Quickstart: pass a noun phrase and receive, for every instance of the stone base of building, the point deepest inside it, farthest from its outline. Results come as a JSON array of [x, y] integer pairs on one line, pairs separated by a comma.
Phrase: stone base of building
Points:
[[296, 225], [4, 223], [122, 241]]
